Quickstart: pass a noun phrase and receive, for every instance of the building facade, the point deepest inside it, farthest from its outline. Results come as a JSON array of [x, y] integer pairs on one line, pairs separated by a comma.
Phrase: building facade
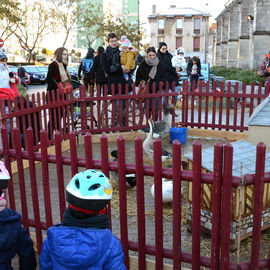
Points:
[[181, 27], [243, 36]]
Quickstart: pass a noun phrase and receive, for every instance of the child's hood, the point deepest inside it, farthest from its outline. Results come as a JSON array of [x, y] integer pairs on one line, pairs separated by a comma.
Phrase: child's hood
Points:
[[79, 247], [9, 228]]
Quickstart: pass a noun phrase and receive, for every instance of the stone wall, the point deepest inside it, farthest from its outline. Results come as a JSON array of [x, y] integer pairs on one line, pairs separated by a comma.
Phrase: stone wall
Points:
[[242, 43], [246, 222]]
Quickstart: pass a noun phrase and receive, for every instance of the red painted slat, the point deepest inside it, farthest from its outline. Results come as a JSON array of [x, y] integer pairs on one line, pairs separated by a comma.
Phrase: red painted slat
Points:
[[243, 106], [228, 101], [123, 197], [235, 107], [24, 207], [216, 205], [140, 203], [73, 153], [257, 206], [34, 190], [105, 164], [177, 195], [89, 152], [196, 204], [214, 105], [60, 174], [226, 207], [220, 105], [158, 204], [45, 178], [200, 105]]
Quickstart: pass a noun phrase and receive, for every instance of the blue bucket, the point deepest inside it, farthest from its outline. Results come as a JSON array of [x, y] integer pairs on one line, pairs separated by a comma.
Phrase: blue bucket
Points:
[[178, 133]]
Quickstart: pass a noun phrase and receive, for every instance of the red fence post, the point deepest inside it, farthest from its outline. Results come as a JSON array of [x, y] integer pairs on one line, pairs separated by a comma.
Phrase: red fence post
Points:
[[105, 164], [89, 152], [24, 208], [5, 142], [123, 197], [34, 189], [83, 108], [196, 204], [226, 207], [45, 177], [60, 173], [140, 203], [257, 206], [73, 153], [158, 204], [216, 205], [177, 195]]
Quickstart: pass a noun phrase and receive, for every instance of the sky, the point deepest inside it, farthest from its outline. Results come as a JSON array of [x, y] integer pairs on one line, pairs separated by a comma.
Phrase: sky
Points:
[[214, 7]]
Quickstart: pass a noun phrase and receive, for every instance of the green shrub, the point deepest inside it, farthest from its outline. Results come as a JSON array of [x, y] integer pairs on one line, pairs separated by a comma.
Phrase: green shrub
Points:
[[247, 76]]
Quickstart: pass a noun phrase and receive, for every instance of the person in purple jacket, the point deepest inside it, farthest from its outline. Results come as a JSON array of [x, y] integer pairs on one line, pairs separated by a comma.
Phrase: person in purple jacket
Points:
[[84, 240], [14, 239]]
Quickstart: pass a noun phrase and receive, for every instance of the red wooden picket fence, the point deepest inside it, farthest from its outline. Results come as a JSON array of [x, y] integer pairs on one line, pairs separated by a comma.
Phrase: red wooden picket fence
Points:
[[202, 107], [46, 186]]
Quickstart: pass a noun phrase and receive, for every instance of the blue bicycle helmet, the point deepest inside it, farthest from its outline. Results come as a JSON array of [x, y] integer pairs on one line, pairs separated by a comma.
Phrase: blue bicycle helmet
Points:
[[90, 190], [4, 177]]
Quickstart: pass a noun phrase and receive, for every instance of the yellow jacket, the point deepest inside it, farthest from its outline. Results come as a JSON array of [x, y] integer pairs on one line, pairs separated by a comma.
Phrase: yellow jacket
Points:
[[127, 59]]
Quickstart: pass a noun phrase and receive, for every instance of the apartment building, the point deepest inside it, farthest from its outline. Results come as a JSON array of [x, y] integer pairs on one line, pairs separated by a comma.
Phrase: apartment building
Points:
[[181, 27]]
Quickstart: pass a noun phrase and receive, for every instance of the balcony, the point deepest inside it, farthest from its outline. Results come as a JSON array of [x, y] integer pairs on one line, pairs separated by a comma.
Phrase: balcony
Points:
[[179, 31], [196, 31], [196, 49]]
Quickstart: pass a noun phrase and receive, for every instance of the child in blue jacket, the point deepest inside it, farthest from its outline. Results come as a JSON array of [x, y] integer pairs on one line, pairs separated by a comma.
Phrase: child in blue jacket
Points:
[[14, 239], [84, 240]]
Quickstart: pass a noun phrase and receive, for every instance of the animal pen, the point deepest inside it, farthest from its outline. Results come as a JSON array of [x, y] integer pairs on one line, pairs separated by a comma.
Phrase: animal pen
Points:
[[47, 200]]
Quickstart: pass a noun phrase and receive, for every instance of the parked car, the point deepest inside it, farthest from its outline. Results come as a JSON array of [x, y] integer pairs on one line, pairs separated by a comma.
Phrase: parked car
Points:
[[35, 75], [73, 73], [14, 70], [42, 69]]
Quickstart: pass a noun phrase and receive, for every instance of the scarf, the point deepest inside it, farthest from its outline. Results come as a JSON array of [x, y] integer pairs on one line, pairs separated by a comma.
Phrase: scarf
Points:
[[64, 74], [153, 63], [113, 54]]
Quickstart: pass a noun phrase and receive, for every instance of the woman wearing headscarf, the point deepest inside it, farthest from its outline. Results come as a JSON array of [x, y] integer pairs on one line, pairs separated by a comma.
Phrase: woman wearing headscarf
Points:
[[151, 70]]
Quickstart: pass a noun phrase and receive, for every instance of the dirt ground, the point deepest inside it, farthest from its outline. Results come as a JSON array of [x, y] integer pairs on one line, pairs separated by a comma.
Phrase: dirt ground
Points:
[[132, 213]]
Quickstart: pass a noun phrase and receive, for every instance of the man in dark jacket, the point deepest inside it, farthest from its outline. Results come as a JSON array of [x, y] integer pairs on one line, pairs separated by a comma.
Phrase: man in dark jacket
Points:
[[110, 60], [86, 67], [264, 69]]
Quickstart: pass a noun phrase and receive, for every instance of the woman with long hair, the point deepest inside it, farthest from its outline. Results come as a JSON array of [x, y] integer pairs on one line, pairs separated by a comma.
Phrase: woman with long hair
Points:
[[99, 75], [57, 73]]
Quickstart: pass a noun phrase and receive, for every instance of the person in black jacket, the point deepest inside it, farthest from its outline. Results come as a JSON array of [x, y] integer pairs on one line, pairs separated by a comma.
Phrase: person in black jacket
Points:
[[151, 70], [170, 72], [194, 71], [110, 60], [98, 74], [14, 239]]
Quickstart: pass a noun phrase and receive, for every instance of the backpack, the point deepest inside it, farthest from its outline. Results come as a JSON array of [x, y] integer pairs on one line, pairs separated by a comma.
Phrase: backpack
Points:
[[87, 64]]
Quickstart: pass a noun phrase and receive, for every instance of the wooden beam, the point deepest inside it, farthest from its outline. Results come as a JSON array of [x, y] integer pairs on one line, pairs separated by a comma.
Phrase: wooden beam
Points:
[[51, 151], [218, 134], [112, 137]]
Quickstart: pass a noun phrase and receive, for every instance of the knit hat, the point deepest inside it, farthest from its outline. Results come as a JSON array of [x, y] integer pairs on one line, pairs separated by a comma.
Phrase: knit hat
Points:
[[180, 50], [2, 55], [125, 42], [2, 202]]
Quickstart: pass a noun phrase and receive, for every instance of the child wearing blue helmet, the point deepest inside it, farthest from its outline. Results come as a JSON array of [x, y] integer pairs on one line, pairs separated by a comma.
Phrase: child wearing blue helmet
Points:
[[84, 240]]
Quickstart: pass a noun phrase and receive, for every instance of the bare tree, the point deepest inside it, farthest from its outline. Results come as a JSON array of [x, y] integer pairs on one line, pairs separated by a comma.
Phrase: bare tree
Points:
[[30, 32], [74, 15]]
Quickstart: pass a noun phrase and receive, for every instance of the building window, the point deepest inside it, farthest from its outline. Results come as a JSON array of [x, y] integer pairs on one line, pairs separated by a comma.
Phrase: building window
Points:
[[196, 44], [160, 26], [197, 23], [178, 42], [179, 26]]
